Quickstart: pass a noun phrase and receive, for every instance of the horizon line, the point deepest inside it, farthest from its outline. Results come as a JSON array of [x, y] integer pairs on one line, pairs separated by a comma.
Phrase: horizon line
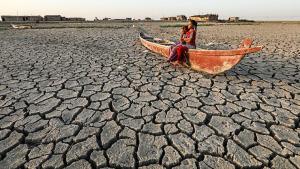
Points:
[[263, 18]]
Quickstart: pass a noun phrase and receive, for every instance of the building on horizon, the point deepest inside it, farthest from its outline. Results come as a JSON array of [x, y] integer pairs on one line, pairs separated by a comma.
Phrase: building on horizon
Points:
[[205, 18], [172, 18], [34, 18], [181, 18], [233, 19], [164, 19], [8, 18], [106, 19], [53, 18], [118, 19], [148, 19], [64, 18], [76, 19]]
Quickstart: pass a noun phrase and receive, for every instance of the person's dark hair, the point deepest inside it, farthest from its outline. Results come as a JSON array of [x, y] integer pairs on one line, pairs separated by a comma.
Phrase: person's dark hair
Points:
[[195, 24], [185, 28]]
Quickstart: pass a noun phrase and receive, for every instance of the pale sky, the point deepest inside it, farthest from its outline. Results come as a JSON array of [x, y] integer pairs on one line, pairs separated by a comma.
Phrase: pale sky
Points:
[[247, 9]]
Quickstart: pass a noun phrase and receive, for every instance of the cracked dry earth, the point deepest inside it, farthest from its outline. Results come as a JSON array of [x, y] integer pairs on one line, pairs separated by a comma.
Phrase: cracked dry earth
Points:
[[95, 98]]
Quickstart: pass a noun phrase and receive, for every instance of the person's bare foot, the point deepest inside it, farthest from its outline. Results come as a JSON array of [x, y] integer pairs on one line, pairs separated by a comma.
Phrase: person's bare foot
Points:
[[176, 63], [185, 64]]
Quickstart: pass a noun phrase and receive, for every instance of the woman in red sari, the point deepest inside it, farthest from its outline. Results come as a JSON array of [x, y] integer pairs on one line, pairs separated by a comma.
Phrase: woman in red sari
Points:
[[190, 39], [187, 42]]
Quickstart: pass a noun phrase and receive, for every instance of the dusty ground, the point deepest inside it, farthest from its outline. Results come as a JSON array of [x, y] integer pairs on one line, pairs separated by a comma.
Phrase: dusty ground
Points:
[[95, 98]]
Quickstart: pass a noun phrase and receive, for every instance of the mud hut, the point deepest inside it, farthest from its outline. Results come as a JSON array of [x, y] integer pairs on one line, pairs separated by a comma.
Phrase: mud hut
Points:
[[205, 18], [181, 18], [76, 19], [233, 19], [164, 18], [172, 18], [53, 18]]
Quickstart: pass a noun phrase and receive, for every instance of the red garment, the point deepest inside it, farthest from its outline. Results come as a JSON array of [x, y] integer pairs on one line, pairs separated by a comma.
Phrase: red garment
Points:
[[191, 34], [181, 50]]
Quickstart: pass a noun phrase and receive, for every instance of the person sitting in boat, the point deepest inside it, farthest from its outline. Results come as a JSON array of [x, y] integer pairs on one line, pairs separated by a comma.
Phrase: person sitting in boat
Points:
[[184, 31], [190, 38], [173, 48], [187, 42]]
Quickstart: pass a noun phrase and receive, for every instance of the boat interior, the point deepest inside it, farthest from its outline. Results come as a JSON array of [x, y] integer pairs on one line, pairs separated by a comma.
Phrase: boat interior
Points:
[[157, 40]]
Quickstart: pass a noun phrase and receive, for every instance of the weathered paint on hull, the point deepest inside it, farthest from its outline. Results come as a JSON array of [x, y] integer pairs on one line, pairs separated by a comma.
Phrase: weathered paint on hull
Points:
[[208, 61]]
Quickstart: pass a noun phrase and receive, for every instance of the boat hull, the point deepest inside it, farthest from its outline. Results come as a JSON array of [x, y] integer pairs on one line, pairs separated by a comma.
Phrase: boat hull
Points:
[[208, 61]]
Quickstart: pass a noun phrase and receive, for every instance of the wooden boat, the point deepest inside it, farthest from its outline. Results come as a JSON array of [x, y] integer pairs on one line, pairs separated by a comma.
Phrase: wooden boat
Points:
[[208, 61]]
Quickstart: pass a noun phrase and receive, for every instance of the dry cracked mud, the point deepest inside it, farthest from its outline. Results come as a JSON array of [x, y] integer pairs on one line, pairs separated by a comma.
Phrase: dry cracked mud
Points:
[[96, 98]]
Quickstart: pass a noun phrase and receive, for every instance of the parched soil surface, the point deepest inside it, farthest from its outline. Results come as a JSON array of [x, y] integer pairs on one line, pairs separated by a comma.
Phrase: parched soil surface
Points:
[[95, 98]]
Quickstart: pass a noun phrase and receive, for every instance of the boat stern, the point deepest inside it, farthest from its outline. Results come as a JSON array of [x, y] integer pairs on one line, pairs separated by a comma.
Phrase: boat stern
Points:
[[247, 43]]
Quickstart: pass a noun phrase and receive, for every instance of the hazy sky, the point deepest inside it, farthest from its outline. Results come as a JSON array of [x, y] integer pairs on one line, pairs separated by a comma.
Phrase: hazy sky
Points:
[[248, 9]]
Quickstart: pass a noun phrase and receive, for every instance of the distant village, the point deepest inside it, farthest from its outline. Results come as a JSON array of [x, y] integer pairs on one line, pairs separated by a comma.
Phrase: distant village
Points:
[[7, 18], [59, 18]]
